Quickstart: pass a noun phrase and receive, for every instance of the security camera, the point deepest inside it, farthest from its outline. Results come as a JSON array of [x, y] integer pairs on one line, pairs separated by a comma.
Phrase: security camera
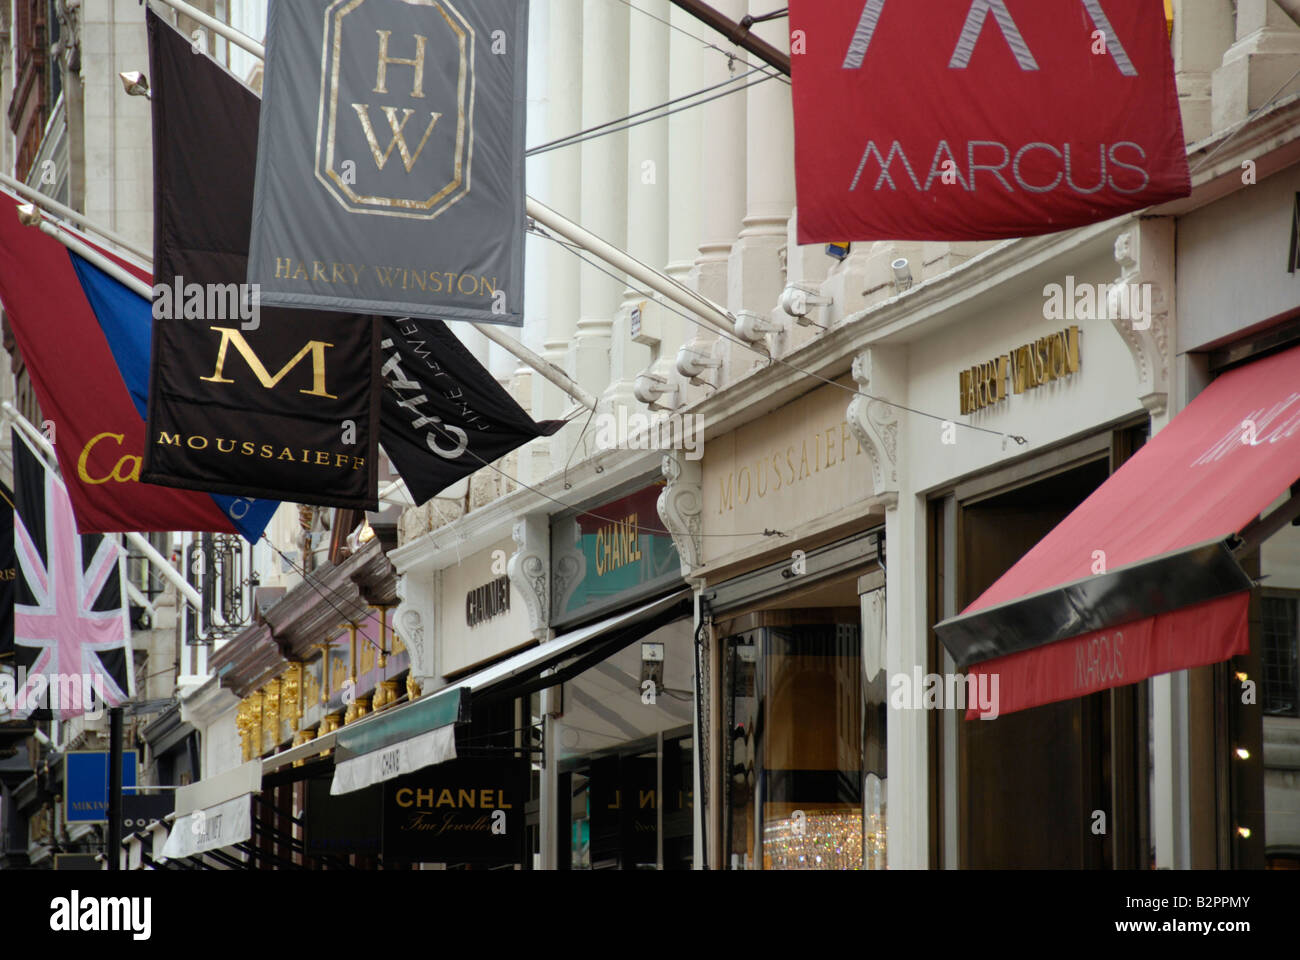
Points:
[[692, 362], [798, 302], [753, 327], [655, 391], [902, 274]]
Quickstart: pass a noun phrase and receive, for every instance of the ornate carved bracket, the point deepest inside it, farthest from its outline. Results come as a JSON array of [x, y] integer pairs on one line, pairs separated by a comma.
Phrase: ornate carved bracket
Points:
[[874, 422], [680, 506], [1145, 255], [415, 624], [529, 571], [568, 569]]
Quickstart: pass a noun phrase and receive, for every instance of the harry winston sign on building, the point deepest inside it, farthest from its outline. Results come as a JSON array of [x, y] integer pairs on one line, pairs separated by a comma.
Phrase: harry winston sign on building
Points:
[[390, 174]]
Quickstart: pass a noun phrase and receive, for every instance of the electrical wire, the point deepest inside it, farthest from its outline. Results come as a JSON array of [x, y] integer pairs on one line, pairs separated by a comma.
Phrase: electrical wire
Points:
[[583, 139], [580, 512], [564, 141], [574, 249], [731, 55], [308, 580]]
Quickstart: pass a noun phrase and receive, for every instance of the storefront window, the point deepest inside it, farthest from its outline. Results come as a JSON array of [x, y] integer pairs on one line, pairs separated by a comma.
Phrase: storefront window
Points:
[[795, 752], [1279, 699], [627, 757]]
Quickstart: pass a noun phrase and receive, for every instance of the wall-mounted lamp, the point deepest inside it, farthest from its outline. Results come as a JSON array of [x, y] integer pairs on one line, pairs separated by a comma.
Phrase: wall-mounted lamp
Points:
[[136, 84]]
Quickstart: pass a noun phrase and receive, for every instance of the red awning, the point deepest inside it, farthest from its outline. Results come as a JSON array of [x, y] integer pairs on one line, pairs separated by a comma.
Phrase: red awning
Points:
[[1147, 553]]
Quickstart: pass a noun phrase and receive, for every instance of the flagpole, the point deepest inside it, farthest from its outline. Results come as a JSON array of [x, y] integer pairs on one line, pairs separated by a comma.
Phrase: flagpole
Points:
[[141, 543], [67, 213], [217, 27], [93, 256], [114, 850]]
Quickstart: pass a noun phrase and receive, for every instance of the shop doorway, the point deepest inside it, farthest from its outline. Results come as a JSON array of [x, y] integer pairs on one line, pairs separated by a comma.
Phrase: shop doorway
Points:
[[1063, 785]]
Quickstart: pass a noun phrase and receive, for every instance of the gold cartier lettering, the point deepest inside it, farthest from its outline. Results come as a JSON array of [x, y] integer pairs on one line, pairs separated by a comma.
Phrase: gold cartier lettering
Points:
[[125, 470]]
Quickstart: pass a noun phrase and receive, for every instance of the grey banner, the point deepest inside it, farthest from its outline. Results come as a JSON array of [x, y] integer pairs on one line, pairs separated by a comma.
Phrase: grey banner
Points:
[[390, 165]]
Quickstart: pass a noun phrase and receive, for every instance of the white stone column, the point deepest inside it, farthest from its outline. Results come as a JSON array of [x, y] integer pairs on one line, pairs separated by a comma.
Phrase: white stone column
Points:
[[604, 182], [1257, 64], [687, 60], [756, 277], [524, 386], [1203, 31], [722, 175], [563, 193], [647, 194]]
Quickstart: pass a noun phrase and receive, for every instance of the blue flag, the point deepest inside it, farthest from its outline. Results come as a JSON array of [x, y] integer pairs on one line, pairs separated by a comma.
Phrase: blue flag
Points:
[[127, 321]]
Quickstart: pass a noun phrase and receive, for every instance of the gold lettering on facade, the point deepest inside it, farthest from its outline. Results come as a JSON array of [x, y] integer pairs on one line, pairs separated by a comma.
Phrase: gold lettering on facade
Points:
[[777, 470], [1053, 357]]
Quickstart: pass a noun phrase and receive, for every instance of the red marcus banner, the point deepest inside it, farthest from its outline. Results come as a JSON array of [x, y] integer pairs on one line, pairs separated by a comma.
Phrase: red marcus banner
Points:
[[980, 119]]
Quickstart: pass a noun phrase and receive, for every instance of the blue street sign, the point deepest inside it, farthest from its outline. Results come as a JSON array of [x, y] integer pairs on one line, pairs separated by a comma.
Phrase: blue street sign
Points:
[[85, 784]]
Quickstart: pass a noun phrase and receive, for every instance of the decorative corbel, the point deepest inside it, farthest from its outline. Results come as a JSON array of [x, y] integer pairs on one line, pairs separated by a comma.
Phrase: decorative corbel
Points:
[[529, 571], [680, 504], [410, 621], [1145, 254], [568, 567], [874, 422]]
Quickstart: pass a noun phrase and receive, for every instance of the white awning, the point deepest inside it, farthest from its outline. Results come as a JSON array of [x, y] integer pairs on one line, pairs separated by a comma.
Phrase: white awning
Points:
[[436, 746], [210, 828], [214, 812], [421, 734]]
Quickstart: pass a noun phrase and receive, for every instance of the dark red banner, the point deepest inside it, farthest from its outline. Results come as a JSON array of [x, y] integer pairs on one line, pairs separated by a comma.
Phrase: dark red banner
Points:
[[1194, 636], [980, 119]]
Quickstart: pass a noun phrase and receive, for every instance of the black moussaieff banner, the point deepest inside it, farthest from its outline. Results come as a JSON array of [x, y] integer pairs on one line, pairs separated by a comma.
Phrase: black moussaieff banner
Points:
[[243, 400]]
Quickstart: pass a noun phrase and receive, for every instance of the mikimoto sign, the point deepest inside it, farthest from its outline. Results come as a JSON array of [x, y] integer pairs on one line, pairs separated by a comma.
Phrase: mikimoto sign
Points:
[[980, 119]]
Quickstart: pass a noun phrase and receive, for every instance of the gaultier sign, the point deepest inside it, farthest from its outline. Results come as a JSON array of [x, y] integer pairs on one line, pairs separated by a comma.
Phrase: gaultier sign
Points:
[[477, 618]]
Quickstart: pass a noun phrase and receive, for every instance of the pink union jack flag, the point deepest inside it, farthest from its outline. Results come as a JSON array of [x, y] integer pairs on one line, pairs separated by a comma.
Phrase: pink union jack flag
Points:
[[71, 632]]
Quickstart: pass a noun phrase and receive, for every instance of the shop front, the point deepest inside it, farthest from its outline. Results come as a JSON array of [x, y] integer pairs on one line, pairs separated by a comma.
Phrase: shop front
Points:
[[1046, 401], [619, 738], [792, 570]]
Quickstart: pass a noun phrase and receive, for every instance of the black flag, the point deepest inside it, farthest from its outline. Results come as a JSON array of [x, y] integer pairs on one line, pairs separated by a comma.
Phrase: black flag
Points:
[[444, 416], [267, 403]]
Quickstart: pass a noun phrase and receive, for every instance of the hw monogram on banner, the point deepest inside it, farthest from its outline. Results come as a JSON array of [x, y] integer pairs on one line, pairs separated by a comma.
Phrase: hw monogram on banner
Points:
[[390, 175]]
